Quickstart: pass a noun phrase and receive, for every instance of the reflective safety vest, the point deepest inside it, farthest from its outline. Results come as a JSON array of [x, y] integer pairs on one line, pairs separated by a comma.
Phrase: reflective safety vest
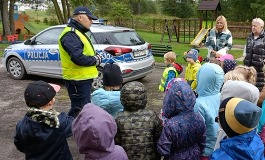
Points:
[[70, 70], [164, 78]]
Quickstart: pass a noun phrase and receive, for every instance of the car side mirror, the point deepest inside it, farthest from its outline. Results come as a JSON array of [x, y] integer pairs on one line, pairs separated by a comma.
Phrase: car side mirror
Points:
[[27, 42]]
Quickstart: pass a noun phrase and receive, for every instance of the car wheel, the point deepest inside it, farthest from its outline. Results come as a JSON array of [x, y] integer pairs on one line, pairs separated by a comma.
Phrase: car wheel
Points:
[[16, 68], [98, 82]]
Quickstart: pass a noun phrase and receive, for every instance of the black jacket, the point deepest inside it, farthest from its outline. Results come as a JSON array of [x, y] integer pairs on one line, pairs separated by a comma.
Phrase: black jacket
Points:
[[255, 55], [40, 142]]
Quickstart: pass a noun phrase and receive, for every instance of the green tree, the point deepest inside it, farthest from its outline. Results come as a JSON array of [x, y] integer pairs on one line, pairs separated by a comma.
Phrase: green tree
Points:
[[179, 8], [243, 10], [119, 11]]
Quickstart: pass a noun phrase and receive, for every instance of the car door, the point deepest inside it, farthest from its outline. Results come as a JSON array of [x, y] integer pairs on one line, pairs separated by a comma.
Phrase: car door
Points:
[[43, 57]]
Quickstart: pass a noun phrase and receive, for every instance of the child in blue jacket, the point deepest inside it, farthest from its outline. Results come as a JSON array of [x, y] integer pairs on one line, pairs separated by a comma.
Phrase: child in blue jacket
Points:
[[108, 97]]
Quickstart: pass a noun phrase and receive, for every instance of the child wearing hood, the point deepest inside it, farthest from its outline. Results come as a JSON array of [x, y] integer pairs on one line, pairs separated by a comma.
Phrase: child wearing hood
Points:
[[42, 133], [240, 89], [94, 130], [183, 134], [210, 79], [239, 119], [193, 66], [138, 128]]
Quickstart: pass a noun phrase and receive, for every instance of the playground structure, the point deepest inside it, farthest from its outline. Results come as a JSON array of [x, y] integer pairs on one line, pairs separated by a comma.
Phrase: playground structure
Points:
[[189, 28], [200, 37], [184, 29], [21, 27]]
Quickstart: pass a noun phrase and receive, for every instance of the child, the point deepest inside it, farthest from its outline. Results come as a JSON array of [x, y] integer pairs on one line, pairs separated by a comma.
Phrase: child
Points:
[[138, 128], [42, 133], [249, 73], [183, 134], [171, 71], [109, 97], [242, 73], [227, 62], [240, 89], [239, 118], [94, 131], [193, 66], [210, 80]]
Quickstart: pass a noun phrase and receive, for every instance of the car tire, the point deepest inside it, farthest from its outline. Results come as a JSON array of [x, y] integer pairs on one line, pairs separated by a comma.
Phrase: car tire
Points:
[[98, 82], [16, 68]]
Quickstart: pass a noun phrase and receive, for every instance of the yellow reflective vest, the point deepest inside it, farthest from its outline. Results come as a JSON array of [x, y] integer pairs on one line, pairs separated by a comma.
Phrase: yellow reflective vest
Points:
[[164, 77], [70, 70]]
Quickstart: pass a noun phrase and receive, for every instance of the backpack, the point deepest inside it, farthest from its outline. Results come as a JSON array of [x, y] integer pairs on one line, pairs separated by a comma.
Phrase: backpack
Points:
[[178, 67]]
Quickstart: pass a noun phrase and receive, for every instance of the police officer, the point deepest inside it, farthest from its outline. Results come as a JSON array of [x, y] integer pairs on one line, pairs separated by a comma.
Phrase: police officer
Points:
[[78, 59]]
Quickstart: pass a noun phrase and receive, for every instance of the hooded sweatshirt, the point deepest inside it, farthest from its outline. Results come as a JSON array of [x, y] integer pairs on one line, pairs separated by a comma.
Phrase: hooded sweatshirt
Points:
[[183, 135], [239, 89], [94, 130], [107, 100], [247, 146], [210, 78], [138, 128]]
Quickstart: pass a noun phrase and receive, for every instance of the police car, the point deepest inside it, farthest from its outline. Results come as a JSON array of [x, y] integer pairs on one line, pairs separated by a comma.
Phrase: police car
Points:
[[40, 54]]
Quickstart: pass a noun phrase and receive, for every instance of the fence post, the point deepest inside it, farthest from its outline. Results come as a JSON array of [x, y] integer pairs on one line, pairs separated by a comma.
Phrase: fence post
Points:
[[154, 23]]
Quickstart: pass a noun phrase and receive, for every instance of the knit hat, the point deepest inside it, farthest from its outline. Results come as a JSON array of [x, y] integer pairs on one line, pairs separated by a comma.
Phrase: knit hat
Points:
[[133, 96], [225, 56], [193, 53], [238, 116], [40, 93], [112, 75]]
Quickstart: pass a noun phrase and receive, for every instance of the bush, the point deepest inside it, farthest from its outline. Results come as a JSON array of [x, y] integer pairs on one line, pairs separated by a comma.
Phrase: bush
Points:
[[37, 21], [53, 22], [45, 20]]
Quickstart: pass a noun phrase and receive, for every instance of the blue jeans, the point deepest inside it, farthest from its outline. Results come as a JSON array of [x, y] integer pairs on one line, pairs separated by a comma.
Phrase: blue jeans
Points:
[[79, 93]]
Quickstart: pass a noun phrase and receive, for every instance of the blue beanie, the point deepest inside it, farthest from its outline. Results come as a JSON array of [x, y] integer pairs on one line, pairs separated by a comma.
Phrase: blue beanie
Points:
[[193, 53]]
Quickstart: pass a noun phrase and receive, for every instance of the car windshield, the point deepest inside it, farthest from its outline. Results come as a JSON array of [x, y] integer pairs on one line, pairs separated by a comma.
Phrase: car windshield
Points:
[[126, 38]]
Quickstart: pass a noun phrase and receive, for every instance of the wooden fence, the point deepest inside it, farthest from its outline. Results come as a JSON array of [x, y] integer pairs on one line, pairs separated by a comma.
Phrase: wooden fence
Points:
[[185, 29]]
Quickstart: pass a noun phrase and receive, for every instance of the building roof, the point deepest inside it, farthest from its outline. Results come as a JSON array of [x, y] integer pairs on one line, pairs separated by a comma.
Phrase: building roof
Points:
[[209, 5]]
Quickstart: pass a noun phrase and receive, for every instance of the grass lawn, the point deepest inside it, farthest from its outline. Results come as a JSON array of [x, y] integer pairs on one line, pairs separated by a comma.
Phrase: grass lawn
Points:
[[180, 48]]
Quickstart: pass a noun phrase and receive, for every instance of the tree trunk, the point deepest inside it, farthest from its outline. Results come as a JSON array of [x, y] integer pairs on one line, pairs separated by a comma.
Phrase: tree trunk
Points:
[[58, 11], [5, 19], [11, 17], [68, 9], [139, 7], [65, 16]]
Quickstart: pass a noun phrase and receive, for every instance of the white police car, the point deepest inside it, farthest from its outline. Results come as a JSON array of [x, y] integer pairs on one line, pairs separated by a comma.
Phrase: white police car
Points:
[[40, 54]]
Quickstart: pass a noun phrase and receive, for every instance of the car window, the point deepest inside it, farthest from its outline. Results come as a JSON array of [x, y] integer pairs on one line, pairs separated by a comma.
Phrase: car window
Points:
[[90, 35], [50, 36], [127, 38]]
